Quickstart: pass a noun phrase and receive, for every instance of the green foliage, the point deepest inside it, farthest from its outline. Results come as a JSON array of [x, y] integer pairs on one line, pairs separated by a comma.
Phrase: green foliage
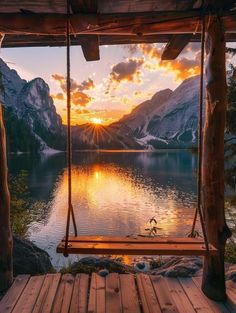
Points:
[[230, 252], [194, 234], [152, 228], [23, 208]]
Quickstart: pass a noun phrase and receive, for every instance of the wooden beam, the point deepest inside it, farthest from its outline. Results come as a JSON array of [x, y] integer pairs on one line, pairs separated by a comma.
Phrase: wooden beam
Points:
[[213, 284], [11, 41], [121, 6], [84, 6], [176, 44], [6, 267], [107, 24], [90, 49]]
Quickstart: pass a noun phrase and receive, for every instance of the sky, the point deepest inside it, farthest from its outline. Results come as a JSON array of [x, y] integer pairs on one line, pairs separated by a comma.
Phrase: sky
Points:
[[103, 91]]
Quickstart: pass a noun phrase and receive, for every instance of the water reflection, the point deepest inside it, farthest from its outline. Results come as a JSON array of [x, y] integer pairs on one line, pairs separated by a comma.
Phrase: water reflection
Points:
[[113, 193]]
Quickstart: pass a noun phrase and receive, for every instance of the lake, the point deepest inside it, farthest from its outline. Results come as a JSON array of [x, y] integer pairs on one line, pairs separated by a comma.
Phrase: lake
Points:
[[114, 193]]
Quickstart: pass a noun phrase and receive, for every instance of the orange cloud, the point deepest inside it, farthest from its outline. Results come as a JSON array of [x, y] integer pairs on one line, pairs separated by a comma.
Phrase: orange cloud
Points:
[[78, 96], [58, 96], [182, 67]]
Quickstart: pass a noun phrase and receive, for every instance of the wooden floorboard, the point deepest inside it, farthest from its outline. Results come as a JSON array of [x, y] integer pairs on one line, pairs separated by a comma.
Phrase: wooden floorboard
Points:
[[115, 293], [11, 297]]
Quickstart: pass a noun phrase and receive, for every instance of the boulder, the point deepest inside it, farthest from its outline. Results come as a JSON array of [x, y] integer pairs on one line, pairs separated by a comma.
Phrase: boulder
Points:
[[180, 267], [29, 259]]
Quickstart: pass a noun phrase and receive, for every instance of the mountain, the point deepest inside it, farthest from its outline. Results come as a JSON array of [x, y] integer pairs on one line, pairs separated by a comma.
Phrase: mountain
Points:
[[168, 119], [31, 120]]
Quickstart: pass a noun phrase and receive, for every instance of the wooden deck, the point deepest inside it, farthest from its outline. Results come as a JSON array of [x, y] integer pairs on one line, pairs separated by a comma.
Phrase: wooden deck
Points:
[[117, 293]]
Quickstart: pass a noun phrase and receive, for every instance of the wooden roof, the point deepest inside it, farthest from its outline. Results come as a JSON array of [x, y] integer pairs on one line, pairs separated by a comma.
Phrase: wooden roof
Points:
[[107, 22]]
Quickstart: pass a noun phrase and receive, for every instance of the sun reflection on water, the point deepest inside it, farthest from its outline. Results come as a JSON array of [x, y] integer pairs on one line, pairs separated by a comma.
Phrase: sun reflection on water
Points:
[[114, 200]]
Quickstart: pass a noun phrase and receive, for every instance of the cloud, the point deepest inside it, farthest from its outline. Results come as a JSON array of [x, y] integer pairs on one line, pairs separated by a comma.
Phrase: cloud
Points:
[[125, 71], [182, 67], [58, 96], [128, 70], [78, 96]]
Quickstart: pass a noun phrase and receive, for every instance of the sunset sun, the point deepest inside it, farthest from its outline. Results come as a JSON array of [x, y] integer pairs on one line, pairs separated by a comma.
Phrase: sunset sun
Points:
[[96, 120]]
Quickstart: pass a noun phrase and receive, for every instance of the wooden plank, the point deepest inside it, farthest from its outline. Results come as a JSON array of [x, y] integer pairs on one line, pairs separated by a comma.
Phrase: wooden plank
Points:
[[29, 295], [64, 293], [115, 6], [6, 240], [231, 285], [92, 295], [80, 294], [135, 248], [231, 301], [84, 6], [90, 48], [164, 297], [195, 296], [147, 294], [231, 296], [179, 296], [138, 239], [11, 297], [129, 296], [59, 40], [108, 24], [216, 306], [97, 302], [47, 294], [113, 293], [175, 46]]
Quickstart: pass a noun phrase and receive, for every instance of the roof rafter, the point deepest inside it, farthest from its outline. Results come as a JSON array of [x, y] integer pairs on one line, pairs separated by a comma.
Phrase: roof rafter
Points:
[[90, 46]]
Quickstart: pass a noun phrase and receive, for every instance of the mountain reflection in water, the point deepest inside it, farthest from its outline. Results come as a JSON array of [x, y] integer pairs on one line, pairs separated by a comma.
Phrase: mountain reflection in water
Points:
[[114, 193]]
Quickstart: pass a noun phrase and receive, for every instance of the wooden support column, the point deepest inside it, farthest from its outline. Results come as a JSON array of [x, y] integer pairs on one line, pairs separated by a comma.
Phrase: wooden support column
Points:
[[6, 269], [213, 284]]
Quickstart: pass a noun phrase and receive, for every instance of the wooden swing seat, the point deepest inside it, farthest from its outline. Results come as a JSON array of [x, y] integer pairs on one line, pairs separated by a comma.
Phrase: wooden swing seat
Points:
[[135, 246]]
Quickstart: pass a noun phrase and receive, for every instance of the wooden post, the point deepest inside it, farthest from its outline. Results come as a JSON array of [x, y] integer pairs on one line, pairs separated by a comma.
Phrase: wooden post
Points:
[[6, 269], [213, 284]]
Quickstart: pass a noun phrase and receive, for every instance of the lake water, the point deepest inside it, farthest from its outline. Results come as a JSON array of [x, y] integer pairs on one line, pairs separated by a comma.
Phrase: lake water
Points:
[[114, 193]]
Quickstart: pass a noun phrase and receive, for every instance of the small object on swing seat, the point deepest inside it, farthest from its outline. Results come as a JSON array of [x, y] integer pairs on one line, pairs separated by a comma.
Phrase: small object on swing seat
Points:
[[135, 246]]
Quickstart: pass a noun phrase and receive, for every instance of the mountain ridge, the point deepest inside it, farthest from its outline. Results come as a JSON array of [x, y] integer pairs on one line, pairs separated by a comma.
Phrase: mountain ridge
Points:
[[169, 119]]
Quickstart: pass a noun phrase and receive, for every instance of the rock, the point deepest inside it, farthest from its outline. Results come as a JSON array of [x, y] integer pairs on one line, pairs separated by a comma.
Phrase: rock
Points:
[[180, 267], [29, 259], [142, 266], [95, 264], [103, 273], [230, 272]]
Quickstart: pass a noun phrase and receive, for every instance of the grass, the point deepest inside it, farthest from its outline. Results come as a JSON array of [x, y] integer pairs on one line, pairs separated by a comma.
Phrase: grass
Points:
[[230, 252]]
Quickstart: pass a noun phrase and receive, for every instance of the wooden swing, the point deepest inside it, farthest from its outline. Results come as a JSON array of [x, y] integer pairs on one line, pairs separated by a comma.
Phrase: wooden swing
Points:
[[134, 245]]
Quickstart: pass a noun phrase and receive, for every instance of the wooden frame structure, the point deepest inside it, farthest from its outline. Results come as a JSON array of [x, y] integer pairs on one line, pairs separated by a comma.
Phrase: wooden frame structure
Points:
[[98, 22]]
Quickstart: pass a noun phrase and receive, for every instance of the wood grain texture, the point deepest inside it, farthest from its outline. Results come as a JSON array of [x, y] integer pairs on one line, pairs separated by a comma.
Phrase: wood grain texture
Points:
[[64, 293], [6, 265], [130, 248], [79, 298], [47, 294], [213, 187], [11, 297], [129, 296], [29, 295]]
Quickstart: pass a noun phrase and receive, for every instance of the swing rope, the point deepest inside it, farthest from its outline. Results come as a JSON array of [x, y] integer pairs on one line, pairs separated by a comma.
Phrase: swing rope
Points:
[[198, 209], [69, 145]]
